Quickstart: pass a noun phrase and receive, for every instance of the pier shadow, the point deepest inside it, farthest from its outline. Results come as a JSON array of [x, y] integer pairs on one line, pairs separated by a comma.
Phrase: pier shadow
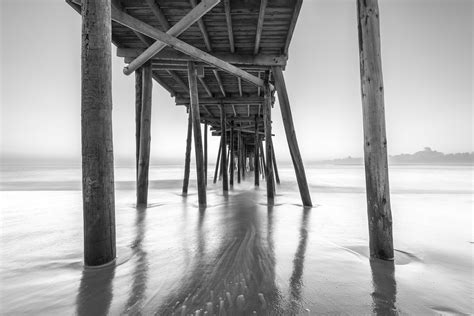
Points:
[[238, 277], [296, 279], [384, 285], [95, 291], [140, 273]]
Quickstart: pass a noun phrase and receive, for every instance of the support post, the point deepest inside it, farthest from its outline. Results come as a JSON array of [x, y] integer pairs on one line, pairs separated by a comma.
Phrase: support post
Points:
[[239, 155], [232, 154], [194, 104], [145, 136], [96, 130], [138, 115], [291, 136], [267, 114], [375, 141], [225, 184], [187, 159], [275, 168], [262, 158], [256, 156], [205, 152], [218, 161]]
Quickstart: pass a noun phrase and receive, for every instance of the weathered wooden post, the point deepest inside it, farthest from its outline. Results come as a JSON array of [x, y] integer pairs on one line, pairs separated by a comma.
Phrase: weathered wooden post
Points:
[[262, 159], [225, 184], [218, 161], [187, 158], [96, 129], [375, 141], [194, 104], [291, 135], [239, 155], [267, 115], [145, 136], [256, 156], [138, 115], [205, 151], [275, 168], [231, 155]]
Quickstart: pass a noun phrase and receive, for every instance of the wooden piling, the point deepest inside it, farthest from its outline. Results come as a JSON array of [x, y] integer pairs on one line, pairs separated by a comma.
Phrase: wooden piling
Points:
[[291, 135], [194, 104], [256, 156], [138, 115], [145, 136], [218, 161], [96, 131], [267, 115], [239, 155], [275, 168], [187, 159], [231, 159], [225, 184], [205, 152], [262, 159], [375, 141]]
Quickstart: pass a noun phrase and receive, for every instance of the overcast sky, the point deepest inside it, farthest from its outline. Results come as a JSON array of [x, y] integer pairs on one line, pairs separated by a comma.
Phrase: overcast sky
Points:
[[427, 53]]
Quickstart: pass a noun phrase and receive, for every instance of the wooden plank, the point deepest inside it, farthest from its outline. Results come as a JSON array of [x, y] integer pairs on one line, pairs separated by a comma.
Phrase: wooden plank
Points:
[[291, 29], [228, 19], [226, 102], [179, 81], [189, 19], [158, 13], [139, 26], [225, 185], [193, 94], [267, 115], [375, 139], [187, 158], [291, 136], [206, 87], [266, 60], [261, 17], [219, 82], [145, 137], [96, 130], [202, 28]]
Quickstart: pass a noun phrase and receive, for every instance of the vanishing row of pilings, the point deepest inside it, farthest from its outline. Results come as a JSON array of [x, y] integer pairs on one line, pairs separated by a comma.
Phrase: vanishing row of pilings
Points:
[[97, 144]]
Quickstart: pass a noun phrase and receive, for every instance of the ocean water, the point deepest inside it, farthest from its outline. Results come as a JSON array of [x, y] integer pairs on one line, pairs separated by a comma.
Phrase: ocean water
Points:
[[239, 255]]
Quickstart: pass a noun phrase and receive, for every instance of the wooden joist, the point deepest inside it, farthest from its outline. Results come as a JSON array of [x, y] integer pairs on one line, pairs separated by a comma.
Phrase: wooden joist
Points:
[[261, 17], [205, 86], [139, 26], [294, 18], [203, 29], [158, 13], [229, 100], [228, 19], [219, 82], [194, 15]]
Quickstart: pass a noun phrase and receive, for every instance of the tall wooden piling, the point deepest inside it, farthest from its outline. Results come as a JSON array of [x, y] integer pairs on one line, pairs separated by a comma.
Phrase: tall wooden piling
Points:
[[145, 136], [375, 141], [275, 168], [138, 115], [218, 161], [291, 136], [187, 158], [225, 184], [267, 115], [96, 131], [239, 155], [194, 104], [262, 159], [256, 155], [231, 155], [205, 152]]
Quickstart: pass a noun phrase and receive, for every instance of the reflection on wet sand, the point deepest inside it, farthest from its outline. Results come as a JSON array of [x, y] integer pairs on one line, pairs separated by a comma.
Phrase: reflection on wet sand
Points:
[[296, 280], [239, 277], [384, 295], [95, 291], [140, 273]]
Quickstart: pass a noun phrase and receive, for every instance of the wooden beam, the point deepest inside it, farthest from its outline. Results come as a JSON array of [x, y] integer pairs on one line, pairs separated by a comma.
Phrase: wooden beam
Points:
[[291, 136], [139, 26], [206, 110], [291, 29], [239, 155], [261, 17], [164, 85], [138, 114], [205, 151], [96, 130], [225, 185], [264, 60], [145, 137], [158, 13], [267, 115], [219, 82], [256, 155], [232, 154], [233, 109], [239, 82], [205, 86], [375, 139], [228, 18], [203, 30], [179, 81], [217, 161], [189, 19], [187, 157], [275, 168], [193, 94], [251, 101]]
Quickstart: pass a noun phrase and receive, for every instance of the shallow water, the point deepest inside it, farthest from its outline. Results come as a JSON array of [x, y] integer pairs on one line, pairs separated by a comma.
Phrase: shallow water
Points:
[[282, 260]]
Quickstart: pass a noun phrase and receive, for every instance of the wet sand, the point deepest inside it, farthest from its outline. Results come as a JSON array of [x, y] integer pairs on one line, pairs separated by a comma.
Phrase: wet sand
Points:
[[239, 255]]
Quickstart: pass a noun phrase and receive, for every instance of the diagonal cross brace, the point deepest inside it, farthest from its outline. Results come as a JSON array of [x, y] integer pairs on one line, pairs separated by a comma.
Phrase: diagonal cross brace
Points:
[[148, 30], [189, 19]]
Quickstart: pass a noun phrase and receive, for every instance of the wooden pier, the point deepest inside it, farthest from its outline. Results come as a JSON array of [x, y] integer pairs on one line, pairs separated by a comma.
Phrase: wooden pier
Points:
[[224, 62]]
